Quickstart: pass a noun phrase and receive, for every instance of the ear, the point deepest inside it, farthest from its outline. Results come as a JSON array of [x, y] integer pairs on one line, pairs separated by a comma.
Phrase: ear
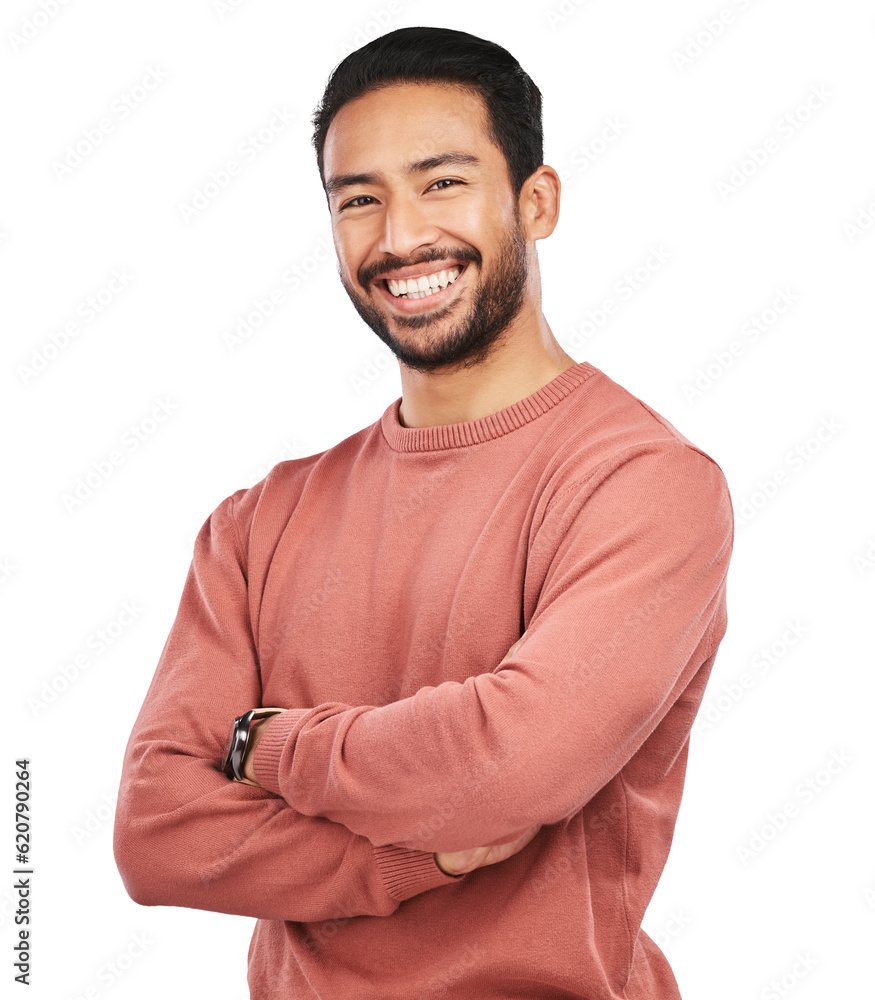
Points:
[[539, 203]]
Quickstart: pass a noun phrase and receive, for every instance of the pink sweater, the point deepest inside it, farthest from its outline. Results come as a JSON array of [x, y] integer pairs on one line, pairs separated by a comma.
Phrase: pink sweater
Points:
[[373, 589]]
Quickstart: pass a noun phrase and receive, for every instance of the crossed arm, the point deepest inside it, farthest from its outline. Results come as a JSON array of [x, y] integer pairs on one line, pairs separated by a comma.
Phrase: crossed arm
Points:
[[630, 607], [185, 835], [453, 863]]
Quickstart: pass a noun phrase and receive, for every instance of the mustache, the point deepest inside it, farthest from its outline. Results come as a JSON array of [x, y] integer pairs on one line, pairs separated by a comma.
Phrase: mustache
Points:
[[367, 274]]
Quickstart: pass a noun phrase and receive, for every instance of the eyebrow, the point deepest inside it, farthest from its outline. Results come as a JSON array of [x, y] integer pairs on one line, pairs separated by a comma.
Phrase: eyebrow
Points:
[[341, 181]]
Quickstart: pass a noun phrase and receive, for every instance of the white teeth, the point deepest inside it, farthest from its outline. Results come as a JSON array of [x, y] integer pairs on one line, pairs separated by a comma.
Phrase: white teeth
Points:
[[427, 284]]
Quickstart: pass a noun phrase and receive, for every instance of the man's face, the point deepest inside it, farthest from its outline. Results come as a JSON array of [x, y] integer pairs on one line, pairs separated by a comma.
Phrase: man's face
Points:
[[406, 210]]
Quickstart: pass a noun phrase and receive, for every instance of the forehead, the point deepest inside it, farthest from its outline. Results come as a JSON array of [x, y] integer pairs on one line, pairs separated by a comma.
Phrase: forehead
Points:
[[403, 122]]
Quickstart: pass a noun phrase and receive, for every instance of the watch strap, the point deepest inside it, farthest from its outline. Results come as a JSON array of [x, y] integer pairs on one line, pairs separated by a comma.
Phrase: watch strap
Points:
[[239, 740]]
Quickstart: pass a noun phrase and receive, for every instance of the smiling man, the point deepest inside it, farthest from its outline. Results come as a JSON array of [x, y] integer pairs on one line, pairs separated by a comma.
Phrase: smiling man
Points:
[[360, 228], [425, 708], [436, 244]]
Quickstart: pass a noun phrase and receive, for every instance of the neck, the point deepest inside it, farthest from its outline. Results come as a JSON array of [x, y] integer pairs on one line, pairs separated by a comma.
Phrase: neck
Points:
[[516, 368]]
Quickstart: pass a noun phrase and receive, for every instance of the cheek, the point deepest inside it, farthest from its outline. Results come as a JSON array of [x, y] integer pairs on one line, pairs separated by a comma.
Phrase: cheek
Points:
[[467, 216], [350, 258], [357, 245], [462, 226], [479, 223]]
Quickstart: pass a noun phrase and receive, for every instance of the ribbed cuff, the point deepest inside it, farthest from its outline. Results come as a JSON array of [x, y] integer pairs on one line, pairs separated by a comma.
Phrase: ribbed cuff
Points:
[[407, 873], [266, 759]]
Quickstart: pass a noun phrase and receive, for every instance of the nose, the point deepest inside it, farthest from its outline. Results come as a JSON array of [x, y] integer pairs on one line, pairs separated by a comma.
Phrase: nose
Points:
[[407, 226]]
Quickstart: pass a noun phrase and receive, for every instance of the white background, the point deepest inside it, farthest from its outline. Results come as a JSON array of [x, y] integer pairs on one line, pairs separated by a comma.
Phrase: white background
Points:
[[311, 374]]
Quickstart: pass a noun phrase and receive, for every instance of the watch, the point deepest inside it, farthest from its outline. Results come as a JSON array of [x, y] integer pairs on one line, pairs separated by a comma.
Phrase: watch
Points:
[[238, 742]]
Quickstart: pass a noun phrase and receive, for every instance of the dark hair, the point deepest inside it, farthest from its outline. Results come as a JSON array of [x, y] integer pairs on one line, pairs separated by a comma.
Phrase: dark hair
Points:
[[425, 55]]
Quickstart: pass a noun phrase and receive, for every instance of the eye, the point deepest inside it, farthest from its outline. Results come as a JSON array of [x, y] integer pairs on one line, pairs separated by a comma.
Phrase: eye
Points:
[[352, 202], [446, 180], [363, 199]]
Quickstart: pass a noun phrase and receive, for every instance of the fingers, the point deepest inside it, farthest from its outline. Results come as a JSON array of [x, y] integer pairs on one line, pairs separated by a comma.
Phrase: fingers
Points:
[[513, 648]]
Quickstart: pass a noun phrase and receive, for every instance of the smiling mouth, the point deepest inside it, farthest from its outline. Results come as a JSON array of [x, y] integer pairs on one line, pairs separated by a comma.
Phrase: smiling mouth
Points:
[[414, 294]]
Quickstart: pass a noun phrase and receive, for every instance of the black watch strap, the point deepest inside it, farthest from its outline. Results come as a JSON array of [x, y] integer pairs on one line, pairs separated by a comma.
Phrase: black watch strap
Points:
[[238, 741]]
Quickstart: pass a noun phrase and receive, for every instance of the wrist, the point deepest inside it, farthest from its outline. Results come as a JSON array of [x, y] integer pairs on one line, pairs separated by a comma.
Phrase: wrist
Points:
[[240, 742], [256, 732]]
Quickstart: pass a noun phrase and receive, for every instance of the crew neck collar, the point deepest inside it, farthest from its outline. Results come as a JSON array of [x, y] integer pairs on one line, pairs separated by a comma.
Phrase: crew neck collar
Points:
[[495, 425]]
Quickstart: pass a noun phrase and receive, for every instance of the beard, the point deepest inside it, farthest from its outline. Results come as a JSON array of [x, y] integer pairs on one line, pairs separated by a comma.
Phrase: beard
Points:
[[470, 340]]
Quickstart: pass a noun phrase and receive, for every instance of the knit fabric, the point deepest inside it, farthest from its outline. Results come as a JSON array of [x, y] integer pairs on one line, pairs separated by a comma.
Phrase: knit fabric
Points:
[[373, 590]]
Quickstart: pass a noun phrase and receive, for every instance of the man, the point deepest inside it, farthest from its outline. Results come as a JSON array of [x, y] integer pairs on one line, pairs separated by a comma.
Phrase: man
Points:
[[480, 627]]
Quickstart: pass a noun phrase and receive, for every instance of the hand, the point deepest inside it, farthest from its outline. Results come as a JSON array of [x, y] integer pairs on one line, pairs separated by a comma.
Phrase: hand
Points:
[[462, 862], [512, 649]]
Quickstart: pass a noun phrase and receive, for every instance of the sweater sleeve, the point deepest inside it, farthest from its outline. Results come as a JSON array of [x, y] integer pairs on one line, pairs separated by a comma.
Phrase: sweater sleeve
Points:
[[185, 834], [634, 561]]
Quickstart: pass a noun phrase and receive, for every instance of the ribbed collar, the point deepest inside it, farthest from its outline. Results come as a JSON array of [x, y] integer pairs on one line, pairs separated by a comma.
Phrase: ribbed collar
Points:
[[483, 429]]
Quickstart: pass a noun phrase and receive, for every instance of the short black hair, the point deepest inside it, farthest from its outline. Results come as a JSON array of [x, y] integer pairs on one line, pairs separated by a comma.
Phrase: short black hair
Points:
[[444, 55]]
